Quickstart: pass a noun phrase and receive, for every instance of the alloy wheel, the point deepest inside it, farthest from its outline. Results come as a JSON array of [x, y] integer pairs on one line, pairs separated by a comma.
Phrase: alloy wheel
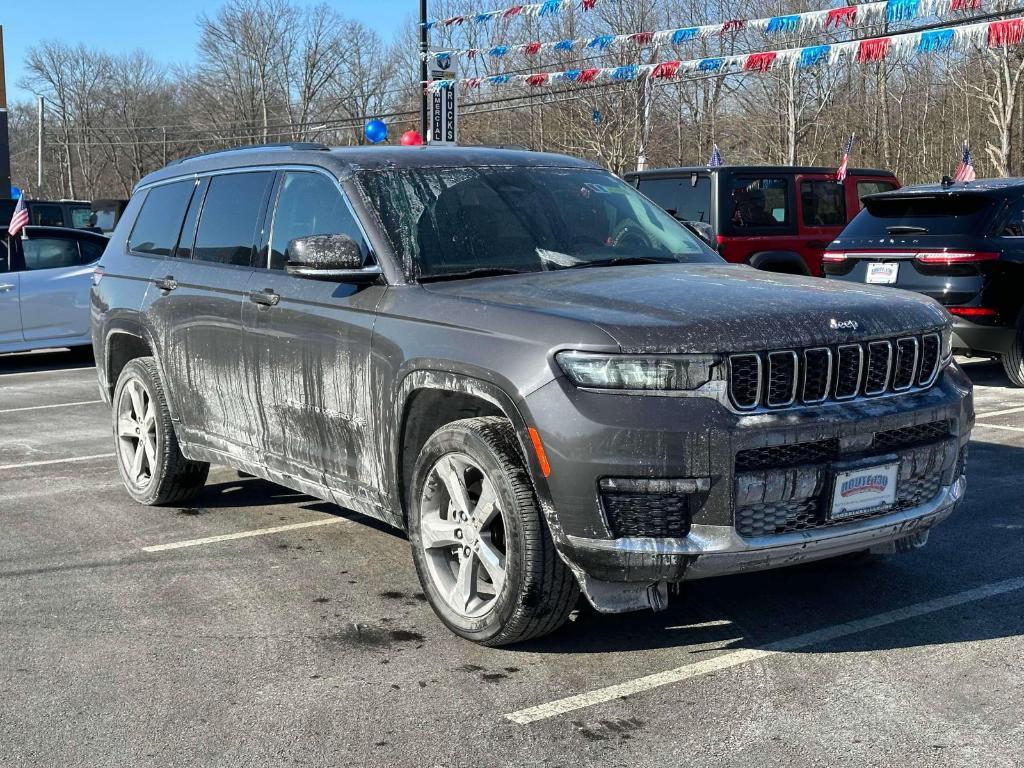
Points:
[[136, 433], [462, 531]]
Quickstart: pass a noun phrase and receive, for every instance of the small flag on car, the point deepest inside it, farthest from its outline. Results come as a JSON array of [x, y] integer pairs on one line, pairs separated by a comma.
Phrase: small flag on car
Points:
[[965, 170], [841, 171], [716, 158], [19, 218]]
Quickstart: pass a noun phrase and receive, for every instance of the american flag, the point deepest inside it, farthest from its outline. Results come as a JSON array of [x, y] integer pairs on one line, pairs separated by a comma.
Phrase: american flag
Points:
[[841, 172], [965, 170], [19, 219], [716, 158]]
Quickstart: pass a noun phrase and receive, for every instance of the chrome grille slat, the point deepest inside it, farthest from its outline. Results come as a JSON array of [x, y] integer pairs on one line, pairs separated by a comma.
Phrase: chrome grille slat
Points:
[[782, 378]]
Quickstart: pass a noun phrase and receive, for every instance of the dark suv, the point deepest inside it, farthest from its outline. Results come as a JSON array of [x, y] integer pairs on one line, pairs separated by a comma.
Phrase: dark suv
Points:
[[961, 244], [546, 380], [776, 218]]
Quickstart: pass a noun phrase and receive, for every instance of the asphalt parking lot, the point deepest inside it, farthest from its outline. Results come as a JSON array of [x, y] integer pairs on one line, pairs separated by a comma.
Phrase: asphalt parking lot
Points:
[[263, 627]]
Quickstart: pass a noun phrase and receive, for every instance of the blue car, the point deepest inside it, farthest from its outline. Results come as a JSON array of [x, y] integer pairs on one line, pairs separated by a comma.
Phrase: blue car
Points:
[[45, 278]]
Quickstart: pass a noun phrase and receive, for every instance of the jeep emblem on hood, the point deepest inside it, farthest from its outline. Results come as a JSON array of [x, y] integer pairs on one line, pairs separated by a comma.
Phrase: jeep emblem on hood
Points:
[[843, 325]]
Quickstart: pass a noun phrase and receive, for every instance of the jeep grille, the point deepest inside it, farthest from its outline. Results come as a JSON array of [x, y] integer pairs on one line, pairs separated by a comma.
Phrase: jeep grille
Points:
[[788, 377]]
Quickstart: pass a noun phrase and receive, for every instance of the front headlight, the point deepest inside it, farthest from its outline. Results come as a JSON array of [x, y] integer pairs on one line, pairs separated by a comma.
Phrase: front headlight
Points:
[[637, 372]]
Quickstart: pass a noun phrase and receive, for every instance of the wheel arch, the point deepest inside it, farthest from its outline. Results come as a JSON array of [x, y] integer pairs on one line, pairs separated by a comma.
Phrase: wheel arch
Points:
[[784, 262], [123, 343], [429, 399]]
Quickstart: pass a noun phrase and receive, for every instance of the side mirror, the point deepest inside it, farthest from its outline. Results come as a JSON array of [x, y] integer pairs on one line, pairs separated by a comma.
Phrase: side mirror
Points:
[[329, 257], [702, 230]]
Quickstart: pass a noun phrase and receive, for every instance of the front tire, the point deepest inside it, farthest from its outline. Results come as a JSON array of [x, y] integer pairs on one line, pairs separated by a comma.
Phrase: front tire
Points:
[[151, 464], [482, 550]]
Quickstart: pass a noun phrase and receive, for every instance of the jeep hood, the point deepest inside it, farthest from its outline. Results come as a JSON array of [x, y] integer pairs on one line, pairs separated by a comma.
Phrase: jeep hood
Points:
[[706, 307]]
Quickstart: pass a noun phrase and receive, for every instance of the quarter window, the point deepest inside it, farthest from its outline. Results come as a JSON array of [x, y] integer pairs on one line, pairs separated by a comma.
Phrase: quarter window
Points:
[[309, 204], [1014, 224], [231, 213], [159, 222], [759, 202], [871, 187], [50, 253], [91, 251], [823, 203]]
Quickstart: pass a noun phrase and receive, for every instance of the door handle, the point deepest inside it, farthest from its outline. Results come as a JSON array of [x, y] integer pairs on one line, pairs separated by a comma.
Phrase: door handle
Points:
[[166, 283], [6, 287], [265, 298]]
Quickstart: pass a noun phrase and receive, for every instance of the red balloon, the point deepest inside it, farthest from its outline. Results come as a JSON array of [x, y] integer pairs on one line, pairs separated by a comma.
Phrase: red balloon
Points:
[[411, 139]]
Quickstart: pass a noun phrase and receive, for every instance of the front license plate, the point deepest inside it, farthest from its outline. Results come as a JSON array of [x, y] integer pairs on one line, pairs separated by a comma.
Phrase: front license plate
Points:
[[883, 273], [857, 491]]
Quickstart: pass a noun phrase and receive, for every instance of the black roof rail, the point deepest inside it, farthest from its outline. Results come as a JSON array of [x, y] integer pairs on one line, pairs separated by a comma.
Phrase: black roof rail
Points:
[[311, 146]]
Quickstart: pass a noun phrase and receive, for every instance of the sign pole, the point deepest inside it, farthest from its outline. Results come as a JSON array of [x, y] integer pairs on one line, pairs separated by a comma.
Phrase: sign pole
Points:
[[424, 48], [5, 143]]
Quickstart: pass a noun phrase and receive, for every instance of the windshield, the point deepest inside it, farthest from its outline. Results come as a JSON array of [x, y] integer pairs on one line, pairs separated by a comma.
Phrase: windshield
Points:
[[918, 214], [463, 221]]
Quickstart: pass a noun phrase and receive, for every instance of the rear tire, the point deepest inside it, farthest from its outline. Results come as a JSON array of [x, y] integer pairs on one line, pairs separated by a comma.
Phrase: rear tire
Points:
[[482, 549], [1013, 358], [151, 464]]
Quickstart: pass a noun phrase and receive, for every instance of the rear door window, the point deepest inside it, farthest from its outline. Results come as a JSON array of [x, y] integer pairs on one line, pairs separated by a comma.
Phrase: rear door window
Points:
[[47, 215], [231, 213], [309, 204], [923, 215], [686, 198], [823, 203], [759, 202], [159, 222], [50, 253]]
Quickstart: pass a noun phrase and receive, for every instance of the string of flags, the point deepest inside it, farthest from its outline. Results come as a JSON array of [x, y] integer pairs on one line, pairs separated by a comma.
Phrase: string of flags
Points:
[[889, 11], [991, 34], [542, 9]]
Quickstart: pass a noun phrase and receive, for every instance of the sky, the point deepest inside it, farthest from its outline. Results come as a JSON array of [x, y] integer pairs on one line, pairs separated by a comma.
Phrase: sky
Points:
[[164, 28]]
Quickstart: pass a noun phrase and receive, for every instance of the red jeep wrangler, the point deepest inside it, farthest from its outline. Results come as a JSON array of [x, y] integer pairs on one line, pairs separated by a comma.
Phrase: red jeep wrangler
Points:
[[777, 218]]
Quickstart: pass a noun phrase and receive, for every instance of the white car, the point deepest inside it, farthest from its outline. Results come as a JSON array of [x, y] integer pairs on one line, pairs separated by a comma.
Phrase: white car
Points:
[[45, 278]]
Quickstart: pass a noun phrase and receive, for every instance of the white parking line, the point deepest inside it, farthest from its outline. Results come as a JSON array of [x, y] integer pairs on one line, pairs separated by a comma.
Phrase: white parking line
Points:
[[243, 534], [44, 407], [86, 369], [999, 426], [56, 461], [631, 687], [1003, 412]]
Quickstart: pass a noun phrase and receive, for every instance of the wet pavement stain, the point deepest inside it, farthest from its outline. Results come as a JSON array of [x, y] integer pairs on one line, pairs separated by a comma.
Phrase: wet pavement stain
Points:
[[373, 637]]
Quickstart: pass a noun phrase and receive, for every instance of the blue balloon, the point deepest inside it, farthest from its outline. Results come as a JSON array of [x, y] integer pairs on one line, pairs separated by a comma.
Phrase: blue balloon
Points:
[[376, 131]]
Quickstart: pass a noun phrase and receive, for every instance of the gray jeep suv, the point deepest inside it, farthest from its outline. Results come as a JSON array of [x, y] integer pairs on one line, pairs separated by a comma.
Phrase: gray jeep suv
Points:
[[544, 379]]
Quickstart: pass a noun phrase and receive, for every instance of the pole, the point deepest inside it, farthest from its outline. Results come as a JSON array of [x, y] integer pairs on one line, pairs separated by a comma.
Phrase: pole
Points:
[[164, 143], [424, 48], [40, 118], [645, 125], [5, 144]]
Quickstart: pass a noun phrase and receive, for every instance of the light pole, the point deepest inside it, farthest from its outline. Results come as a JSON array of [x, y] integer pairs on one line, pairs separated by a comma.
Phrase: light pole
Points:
[[424, 48]]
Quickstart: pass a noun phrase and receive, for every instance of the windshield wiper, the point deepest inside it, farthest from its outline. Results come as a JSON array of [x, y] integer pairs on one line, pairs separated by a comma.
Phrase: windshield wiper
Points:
[[617, 261], [480, 272], [906, 229]]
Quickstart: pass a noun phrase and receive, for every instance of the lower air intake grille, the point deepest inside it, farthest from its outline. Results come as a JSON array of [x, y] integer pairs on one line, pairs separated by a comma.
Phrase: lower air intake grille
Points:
[[908, 437], [658, 515], [783, 456]]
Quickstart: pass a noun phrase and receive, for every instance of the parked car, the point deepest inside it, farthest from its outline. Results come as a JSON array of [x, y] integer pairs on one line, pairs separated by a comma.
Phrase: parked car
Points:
[[51, 213], [962, 244], [44, 287], [545, 379], [776, 218]]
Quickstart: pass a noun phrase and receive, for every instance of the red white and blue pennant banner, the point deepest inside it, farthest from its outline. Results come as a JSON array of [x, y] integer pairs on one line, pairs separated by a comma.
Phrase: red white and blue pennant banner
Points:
[[889, 11], [991, 34], [546, 8]]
